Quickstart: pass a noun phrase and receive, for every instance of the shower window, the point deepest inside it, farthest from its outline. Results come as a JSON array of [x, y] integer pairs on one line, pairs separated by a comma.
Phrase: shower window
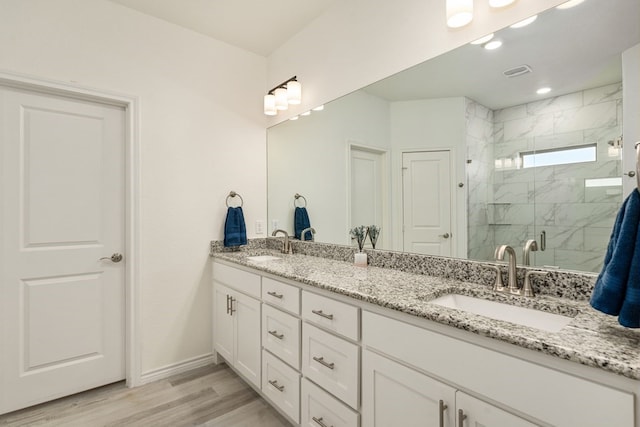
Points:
[[559, 156]]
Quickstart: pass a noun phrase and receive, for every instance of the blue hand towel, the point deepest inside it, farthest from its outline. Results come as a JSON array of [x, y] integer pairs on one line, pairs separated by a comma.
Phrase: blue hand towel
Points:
[[300, 222], [617, 288], [235, 230]]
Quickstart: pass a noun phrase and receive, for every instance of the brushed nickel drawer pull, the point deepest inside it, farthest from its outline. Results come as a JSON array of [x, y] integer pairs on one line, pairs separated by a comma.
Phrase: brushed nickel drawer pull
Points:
[[321, 361], [319, 422], [231, 309], [461, 417], [275, 294], [321, 314], [274, 383], [442, 408], [228, 297], [276, 334]]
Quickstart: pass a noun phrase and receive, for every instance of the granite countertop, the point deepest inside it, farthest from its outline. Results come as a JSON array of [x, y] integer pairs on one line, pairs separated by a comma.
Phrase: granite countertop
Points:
[[591, 338]]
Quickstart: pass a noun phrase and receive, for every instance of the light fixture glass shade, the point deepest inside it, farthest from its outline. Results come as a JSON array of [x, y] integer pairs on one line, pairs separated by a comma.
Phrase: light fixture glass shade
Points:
[[281, 98], [459, 13], [270, 105], [294, 93], [500, 3]]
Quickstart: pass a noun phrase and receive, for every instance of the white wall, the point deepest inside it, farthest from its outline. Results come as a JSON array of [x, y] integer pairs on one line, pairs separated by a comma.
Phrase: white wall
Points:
[[631, 114], [358, 42], [431, 124], [202, 135]]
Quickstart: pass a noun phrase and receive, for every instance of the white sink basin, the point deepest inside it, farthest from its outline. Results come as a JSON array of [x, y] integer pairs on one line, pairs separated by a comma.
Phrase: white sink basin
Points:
[[549, 322], [262, 258]]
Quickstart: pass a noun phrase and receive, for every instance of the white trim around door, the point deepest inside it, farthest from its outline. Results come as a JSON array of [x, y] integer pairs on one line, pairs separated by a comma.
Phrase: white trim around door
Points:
[[130, 104]]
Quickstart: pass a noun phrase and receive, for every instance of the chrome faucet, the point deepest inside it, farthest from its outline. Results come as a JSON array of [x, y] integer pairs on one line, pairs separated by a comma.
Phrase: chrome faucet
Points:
[[530, 246], [286, 244], [511, 274], [304, 232]]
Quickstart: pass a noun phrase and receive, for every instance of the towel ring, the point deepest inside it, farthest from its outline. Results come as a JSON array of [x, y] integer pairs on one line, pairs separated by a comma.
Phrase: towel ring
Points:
[[233, 194], [295, 199]]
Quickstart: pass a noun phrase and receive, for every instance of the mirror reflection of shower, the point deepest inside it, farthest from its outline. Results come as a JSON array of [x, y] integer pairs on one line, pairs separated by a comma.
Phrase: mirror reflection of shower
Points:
[[549, 172]]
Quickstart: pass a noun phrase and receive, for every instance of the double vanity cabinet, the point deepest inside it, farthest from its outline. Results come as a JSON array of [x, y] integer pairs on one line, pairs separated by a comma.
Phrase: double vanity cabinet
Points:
[[328, 360]]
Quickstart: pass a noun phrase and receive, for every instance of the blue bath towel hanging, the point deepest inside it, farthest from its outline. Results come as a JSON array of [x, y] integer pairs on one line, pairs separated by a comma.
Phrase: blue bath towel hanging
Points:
[[300, 222], [617, 288], [235, 230]]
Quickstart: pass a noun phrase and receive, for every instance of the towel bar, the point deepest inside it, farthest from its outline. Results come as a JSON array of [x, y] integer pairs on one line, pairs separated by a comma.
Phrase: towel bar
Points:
[[231, 195], [295, 199]]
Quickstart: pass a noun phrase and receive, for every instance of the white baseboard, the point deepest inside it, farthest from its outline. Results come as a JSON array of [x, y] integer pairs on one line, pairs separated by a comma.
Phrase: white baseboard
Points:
[[176, 368]]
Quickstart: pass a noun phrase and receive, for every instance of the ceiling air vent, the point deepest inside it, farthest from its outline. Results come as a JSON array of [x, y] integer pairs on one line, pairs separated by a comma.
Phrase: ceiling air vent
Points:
[[517, 71]]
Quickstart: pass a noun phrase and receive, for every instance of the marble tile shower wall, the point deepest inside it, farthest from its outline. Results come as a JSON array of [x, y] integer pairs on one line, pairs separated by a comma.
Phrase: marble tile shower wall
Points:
[[479, 121], [577, 219]]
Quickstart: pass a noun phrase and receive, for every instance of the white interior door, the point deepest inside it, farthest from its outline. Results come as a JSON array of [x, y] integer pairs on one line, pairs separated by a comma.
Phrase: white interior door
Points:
[[62, 191], [368, 191], [426, 202]]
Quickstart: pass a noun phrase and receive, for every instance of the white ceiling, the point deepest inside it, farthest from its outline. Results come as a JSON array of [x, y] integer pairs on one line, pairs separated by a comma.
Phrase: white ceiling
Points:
[[259, 26], [568, 50]]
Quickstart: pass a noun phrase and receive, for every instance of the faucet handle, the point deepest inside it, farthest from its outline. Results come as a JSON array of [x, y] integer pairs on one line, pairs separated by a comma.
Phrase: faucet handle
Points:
[[527, 289], [498, 285]]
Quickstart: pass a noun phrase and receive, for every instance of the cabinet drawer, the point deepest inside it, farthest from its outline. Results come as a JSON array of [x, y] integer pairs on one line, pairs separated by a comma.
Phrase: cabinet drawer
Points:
[[281, 335], [240, 280], [320, 409], [286, 297], [331, 314], [281, 384], [332, 363]]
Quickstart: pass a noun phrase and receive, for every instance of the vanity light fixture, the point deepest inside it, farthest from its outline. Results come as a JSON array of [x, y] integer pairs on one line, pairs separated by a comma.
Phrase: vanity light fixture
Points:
[[279, 98], [306, 113], [459, 12], [494, 44], [525, 22], [543, 90], [483, 40], [569, 4], [294, 118], [318, 108], [500, 3]]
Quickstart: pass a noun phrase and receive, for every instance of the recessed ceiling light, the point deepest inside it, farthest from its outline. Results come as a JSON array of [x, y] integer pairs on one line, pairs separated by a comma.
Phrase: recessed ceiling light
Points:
[[543, 90], [500, 3], [525, 22], [318, 108], [493, 45], [569, 4], [483, 40]]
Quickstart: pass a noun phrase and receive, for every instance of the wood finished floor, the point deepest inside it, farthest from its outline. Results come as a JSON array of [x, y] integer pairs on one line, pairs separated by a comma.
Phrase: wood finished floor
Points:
[[213, 396]]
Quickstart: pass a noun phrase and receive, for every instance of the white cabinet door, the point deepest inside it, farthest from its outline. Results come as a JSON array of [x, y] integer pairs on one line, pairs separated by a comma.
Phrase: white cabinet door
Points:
[[222, 322], [236, 331], [246, 316], [394, 395], [477, 413]]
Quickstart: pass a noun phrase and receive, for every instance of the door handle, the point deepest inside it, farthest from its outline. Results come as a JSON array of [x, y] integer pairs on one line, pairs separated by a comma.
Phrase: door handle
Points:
[[630, 174], [116, 257], [445, 235]]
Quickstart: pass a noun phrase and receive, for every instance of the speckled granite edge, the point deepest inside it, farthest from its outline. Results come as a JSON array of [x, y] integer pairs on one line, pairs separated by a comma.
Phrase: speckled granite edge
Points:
[[558, 283]]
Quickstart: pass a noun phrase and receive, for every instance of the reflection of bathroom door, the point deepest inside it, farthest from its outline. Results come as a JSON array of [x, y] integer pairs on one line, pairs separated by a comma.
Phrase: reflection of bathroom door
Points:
[[368, 190], [426, 202]]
